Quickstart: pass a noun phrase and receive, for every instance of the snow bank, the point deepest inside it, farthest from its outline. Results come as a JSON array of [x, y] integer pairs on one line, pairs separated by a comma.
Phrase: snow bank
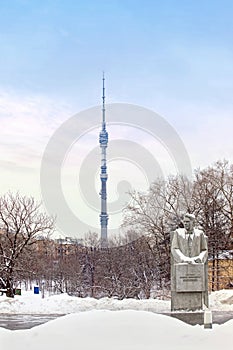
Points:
[[221, 300], [131, 328], [29, 303], [119, 330]]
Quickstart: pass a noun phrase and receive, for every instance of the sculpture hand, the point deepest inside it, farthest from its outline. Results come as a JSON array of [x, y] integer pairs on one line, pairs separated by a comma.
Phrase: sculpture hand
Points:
[[189, 260]]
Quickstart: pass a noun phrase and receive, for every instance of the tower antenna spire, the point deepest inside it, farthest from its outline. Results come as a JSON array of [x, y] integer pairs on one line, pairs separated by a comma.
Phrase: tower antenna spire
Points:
[[103, 141], [103, 98]]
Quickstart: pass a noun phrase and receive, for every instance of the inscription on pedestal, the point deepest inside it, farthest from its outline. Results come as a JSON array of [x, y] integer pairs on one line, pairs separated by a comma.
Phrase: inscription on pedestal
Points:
[[189, 277]]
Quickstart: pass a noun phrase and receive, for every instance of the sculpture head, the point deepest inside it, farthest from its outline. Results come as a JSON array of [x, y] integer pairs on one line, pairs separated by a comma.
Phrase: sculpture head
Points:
[[189, 222]]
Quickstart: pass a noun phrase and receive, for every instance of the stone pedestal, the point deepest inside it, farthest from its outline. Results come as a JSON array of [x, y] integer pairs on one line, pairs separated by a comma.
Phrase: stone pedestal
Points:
[[188, 287], [189, 301]]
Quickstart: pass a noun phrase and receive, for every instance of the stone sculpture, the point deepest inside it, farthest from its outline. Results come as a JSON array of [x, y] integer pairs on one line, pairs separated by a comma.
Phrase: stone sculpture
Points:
[[189, 267]]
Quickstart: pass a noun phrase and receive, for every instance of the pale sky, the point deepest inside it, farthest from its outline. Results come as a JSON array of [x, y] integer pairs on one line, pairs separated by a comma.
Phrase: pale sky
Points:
[[172, 57]]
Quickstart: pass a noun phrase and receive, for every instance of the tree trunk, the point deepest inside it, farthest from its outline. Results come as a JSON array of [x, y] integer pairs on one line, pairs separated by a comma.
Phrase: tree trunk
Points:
[[9, 287]]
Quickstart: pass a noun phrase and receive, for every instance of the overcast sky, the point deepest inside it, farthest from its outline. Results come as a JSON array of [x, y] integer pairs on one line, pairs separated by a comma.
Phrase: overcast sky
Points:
[[172, 57]]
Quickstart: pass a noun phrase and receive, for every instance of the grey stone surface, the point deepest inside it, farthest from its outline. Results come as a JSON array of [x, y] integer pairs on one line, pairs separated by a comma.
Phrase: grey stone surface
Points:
[[187, 301], [194, 318], [189, 277]]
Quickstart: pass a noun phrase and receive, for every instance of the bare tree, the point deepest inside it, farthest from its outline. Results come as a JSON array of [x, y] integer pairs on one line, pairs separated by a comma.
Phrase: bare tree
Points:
[[21, 222], [214, 204], [158, 212], [155, 214]]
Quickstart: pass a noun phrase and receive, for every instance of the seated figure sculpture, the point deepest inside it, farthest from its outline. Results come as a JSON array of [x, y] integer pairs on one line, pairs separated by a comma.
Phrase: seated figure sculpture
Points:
[[188, 246]]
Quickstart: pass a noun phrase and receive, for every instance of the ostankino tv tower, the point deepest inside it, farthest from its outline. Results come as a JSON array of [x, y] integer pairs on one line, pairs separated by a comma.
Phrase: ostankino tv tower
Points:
[[103, 140]]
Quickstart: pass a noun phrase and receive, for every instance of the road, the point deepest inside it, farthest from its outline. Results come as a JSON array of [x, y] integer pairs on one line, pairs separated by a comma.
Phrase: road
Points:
[[15, 322]]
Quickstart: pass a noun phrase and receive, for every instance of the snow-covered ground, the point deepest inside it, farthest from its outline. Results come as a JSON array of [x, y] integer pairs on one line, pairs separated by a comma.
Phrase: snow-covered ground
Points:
[[109, 324], [29, 303]]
